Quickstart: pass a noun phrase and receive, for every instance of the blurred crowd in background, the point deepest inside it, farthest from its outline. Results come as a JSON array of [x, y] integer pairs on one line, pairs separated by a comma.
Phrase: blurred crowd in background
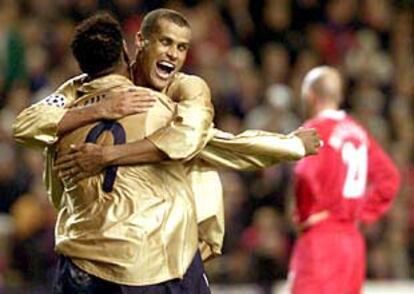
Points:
[[253, 55]]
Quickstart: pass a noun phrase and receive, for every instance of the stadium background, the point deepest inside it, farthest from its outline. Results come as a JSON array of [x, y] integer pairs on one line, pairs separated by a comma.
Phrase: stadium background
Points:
[[253, 55]]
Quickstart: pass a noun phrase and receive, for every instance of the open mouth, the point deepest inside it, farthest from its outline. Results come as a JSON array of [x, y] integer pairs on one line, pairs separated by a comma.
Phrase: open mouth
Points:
[[165, 69]]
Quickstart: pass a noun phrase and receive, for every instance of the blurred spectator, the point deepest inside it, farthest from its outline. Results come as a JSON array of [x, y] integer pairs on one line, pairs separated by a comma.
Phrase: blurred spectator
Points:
[[12, 60], [275, 63], [377, 15], [34, 254], [275, 113], [8, 277], [367, 59], [236, 14], [368, 104], [275, 22], [13, 181], [340, 30], [267, 241]]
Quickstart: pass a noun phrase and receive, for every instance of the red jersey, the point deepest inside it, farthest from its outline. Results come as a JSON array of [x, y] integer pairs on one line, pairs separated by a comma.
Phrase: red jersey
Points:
[[351, 177]]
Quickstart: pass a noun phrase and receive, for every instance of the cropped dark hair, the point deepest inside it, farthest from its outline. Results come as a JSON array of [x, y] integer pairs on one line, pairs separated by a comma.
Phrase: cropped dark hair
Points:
[[97, 44], [150, 21]]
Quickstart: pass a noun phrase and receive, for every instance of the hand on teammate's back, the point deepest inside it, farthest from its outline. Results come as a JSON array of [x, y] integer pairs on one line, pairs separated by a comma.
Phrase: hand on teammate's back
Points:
[[83, 161], [127, 101], [310, 139]]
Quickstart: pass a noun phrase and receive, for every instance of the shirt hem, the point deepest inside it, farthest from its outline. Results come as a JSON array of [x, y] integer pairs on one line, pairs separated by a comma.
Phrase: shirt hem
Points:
[[125, 282]]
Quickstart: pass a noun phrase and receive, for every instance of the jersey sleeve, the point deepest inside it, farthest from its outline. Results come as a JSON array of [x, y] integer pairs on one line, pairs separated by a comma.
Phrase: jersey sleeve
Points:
[[53, 184], [251, 149], [188, 132], [36, 126], [383, 184]]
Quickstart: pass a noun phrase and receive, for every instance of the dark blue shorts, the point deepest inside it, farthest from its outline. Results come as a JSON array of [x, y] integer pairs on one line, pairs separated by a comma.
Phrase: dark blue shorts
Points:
[[70, 280]]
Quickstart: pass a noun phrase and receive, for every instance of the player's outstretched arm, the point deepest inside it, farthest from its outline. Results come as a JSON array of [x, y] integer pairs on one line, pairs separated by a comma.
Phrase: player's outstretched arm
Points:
[[247, 151], [183, 138], [258, 149]]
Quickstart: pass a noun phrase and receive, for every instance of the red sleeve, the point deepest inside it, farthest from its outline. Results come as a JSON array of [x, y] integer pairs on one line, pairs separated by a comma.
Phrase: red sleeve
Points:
[[383, 184], [307, 187]]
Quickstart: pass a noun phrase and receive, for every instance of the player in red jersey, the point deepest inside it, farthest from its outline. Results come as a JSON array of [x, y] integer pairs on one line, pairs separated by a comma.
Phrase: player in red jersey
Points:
[[352, 180]]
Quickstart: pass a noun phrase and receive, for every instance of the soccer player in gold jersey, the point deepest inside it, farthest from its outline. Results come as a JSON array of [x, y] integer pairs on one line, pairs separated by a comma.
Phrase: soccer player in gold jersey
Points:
[[131, 229]]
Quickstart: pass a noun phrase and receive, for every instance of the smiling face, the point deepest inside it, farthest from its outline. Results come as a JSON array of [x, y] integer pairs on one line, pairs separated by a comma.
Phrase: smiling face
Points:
[[161, 54]]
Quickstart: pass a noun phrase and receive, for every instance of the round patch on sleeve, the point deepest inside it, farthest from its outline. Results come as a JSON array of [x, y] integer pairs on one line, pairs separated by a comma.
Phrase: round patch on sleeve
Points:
[[57, 100]]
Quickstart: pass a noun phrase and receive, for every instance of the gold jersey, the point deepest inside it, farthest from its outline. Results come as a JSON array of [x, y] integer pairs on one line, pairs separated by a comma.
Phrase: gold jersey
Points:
[[183, 138], [132, 225]]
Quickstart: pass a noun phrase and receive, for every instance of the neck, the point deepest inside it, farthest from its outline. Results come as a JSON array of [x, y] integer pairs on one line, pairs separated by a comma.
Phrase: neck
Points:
[[138, 77], [111, 70], [326, 106]]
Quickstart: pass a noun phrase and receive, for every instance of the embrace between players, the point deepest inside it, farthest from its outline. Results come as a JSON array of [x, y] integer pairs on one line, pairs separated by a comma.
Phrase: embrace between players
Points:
[[138, 197]]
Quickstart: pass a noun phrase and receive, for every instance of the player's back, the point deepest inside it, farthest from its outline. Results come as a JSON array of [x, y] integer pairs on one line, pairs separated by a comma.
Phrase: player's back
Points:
[[110, 132], [127, 221], [334, 180]]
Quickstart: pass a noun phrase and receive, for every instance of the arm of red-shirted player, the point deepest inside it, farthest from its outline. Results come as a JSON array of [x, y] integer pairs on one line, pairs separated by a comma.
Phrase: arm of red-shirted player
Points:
[[306, 173], [383, 184]]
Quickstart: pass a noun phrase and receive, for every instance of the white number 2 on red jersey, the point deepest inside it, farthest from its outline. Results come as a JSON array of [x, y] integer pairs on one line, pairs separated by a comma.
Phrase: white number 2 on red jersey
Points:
[[355, 159]]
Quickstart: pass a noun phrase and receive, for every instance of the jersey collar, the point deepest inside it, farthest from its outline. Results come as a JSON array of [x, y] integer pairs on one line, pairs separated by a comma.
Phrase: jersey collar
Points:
[[332, 114]]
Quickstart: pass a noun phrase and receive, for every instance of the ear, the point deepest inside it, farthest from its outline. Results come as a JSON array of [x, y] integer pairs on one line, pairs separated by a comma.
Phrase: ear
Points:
[[125, 53], [125, 46], [139, 41], [311, 98]]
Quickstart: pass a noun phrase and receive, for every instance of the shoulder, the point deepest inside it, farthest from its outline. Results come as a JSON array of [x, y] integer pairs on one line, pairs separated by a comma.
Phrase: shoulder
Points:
[[163, 101], [323, 126], [190, 79], [194, 82], [73, 82], [318, 123], [351, 120], [68, 88], [65, 94], [187, 86], [356, 129]]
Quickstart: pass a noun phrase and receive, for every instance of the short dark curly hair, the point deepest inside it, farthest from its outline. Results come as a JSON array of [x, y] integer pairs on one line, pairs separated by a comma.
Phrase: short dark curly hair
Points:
[[97, 43]]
